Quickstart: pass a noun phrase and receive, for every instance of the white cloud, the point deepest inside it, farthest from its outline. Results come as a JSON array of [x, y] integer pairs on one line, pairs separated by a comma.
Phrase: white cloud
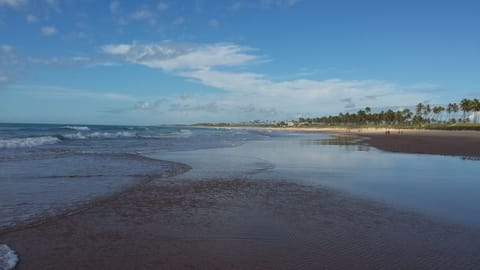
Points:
[[211, 64], [7, 49], [57, 91], [81, 35], [114, 7], [291, 2], [214, 23], [31, 18], [237, 5], [3, 78], [171, 56], [12, 3], [178, 20], [263, 4], [277, 3], [48, 30], [162, 6], [121, 49], [54, 5], [143, 105], [141, 14], [295, 93], [61, 62]]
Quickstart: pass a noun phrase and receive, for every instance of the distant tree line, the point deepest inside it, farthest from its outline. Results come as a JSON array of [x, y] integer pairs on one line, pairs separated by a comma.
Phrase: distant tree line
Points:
[[423, 114]]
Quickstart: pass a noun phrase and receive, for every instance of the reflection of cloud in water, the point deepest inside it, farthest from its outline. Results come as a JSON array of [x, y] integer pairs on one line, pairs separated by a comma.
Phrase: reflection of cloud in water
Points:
[[426, 183], [348, 143]]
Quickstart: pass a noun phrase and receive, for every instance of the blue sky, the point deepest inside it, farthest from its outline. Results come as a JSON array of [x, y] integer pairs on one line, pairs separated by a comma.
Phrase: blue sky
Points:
[[165, 62]]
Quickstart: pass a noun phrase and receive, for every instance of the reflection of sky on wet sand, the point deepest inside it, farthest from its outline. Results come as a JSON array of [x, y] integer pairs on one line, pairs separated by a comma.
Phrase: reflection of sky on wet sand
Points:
[[443, 186]]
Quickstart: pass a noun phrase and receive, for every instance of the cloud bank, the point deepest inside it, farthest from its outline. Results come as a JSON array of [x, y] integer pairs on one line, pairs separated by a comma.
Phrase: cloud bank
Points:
[[13, 3], [216, 65]]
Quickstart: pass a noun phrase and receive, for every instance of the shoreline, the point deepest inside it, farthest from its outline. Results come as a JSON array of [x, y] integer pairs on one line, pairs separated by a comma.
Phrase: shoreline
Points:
[[462, 143]]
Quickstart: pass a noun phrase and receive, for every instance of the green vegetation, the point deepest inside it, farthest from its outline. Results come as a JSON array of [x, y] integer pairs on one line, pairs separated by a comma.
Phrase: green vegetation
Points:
[[425, 116]]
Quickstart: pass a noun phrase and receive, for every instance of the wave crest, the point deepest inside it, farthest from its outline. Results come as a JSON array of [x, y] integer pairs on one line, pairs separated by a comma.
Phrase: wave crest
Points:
[[109, 135], [28, 142], [8, 258], [79, 128]]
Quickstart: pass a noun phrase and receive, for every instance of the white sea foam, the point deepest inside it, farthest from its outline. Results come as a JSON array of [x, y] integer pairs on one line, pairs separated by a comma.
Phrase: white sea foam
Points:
[[8, 258], [121, 134], [79, 128], [108, 135], [185, 133], [100, 135], [28, 142], [77, 136]]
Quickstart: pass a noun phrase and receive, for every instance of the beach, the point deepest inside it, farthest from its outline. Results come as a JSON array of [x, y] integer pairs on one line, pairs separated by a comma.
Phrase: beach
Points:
[[434, 142], [413, 141], [239, 224], [223, 211]]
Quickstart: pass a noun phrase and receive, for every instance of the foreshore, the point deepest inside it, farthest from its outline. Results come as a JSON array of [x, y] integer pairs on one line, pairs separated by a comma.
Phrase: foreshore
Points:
[[415, 141], [452, 143], [419, 141], [230, 223]]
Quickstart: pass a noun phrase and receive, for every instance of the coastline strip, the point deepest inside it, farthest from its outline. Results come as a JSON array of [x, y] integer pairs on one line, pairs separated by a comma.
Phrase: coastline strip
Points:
[[463, 143]]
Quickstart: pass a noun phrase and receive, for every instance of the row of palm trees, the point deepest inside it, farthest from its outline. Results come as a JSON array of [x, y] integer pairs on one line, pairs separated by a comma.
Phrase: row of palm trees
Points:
[[424, 114]]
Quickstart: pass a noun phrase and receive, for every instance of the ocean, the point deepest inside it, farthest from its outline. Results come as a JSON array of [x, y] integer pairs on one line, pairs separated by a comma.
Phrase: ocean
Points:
[[47, 169]]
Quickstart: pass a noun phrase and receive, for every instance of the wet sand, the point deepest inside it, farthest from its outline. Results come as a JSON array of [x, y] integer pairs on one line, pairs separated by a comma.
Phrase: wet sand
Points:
[[452, 143], [242, 224], [414, 141]]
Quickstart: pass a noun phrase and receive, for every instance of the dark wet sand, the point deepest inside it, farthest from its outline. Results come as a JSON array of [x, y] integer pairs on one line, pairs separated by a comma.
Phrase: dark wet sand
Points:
[[243, 224], [453, 143], [414, 141]]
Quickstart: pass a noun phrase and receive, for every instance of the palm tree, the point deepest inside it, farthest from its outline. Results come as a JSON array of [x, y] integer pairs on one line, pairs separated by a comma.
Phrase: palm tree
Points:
[[441, 109], [407, 114], [389, 116], [455, 109], [475, 106], [426, 112], [449, 111], [466, 107], [436, 112], [419, 108]]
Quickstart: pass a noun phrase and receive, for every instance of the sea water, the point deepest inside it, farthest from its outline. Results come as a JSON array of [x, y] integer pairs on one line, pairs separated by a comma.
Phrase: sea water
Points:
[[8, 258], [46, 169], [442, 187]]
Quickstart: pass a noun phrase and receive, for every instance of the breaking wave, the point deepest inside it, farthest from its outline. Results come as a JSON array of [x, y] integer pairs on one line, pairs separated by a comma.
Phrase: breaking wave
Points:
[[100, 135], [79, 128], [28, 142], [184, 133], [8, 258], [110, 135], [7, 143]]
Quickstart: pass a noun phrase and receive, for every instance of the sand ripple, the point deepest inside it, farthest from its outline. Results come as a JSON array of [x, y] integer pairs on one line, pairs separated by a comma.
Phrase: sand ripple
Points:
[[245, 224]]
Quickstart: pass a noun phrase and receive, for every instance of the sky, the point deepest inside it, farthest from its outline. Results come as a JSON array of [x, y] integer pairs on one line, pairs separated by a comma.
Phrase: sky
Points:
[[152, 62]]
